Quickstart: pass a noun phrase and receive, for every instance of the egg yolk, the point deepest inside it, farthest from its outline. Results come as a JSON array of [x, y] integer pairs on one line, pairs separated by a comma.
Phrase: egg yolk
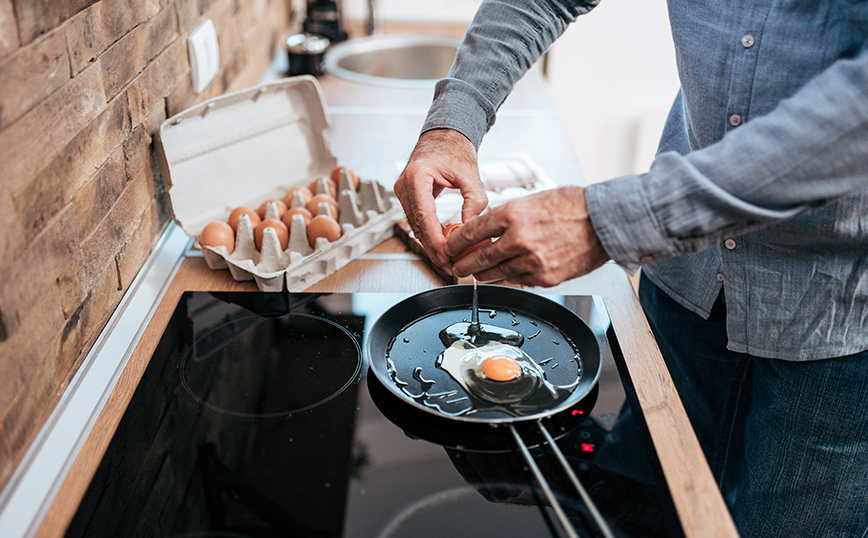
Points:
[[501, 368]]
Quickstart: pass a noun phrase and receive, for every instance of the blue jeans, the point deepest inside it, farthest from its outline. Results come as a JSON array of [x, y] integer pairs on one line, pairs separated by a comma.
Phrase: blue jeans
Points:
[[787, 441]]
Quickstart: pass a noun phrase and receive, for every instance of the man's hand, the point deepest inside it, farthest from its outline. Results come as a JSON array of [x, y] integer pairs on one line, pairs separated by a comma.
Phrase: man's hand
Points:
[[543, 239], [441, 159]]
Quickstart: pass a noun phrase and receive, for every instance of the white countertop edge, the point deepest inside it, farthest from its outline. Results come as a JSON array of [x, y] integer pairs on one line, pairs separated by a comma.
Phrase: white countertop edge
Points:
[[32, 488]]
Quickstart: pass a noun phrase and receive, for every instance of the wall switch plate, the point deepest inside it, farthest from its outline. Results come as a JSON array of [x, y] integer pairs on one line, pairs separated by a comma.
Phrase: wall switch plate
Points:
[[204, 55]]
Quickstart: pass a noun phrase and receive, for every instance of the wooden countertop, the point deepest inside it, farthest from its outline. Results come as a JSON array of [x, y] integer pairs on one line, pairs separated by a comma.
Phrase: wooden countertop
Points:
[[373, 131]]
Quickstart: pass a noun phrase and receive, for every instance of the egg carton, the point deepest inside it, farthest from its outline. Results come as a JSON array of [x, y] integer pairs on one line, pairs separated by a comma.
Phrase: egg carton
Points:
[[366, 218], [246, 147]]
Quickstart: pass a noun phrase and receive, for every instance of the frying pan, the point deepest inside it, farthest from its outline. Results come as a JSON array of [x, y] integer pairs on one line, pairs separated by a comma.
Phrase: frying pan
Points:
[[403, 345], [402, 349]]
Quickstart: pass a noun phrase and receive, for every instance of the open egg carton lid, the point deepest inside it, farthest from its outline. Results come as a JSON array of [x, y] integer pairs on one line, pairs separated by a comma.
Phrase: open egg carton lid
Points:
[[247, 147]]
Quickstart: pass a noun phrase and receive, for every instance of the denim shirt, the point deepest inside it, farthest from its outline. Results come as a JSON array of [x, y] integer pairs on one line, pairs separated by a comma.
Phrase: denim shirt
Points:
[[760, 185]]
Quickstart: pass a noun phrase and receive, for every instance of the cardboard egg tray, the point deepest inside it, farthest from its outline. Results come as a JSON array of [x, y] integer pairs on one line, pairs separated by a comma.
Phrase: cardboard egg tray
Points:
[[251, 146], [366, 220]]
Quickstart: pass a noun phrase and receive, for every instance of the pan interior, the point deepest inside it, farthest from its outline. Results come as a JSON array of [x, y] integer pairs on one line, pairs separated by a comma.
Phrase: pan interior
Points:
[[412, 365]]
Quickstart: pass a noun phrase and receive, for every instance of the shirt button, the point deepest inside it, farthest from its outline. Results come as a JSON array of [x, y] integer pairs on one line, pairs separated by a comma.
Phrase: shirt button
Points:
[[747, 41], [735, 120], [730, 244], [720, 277]]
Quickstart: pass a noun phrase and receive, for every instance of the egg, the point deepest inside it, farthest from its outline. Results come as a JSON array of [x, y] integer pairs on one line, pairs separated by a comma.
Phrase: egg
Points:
[[469, 250], [323, 226], [281, 208], [218, 234], [324, 185], [277, 226], [495, 372], [336, 176], [238, 211], [287, 217], [305, 193], [314, 203]]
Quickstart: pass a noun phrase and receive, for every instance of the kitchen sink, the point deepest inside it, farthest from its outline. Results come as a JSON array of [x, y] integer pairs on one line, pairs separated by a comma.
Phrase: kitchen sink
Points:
[[393, 60]]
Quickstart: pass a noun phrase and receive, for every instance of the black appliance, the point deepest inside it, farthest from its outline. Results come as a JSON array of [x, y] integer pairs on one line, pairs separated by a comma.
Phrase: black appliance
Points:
[[256, 418]]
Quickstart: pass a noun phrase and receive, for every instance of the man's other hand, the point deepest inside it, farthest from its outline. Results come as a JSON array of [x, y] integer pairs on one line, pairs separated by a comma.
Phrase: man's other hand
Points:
[[543, 239]]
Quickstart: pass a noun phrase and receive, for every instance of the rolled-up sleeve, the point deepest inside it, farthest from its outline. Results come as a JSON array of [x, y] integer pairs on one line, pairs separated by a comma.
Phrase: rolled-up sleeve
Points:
[[812, 149]]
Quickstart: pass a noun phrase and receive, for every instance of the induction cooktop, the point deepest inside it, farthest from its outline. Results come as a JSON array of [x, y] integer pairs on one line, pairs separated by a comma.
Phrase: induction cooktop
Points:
[[256, 418]]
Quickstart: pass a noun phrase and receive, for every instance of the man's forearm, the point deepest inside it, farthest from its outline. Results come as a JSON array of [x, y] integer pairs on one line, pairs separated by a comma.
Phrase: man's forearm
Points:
[[504, 40]]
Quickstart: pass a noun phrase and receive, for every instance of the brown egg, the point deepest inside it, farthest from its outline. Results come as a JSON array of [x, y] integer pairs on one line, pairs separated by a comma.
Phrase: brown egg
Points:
[[237, 212], [279, 227], [336, 176], [323, 226], [287, 217], [469, 250], [330, 185], [320, 198], [305, 192], [218, 234], [281, 208]]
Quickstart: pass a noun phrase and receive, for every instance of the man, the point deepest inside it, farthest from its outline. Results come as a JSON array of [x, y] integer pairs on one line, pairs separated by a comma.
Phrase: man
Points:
[[751, 228]]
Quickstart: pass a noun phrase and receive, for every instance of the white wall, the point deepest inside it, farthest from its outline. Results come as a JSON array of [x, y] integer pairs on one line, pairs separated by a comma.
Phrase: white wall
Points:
[[612, 75], [613, 78], [440, 11]]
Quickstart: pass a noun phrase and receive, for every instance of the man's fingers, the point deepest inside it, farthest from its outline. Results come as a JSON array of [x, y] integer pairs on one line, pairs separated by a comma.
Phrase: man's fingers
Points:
[[475, 202], [479, 228], [417, 198], [542, 240]]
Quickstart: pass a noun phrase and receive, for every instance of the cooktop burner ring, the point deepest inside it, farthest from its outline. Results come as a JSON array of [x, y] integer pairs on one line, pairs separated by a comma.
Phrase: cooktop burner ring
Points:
[[328, 370]]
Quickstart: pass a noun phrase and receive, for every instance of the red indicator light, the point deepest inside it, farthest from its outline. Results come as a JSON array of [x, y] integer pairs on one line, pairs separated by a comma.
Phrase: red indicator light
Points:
[[578, 412], [587, 447]]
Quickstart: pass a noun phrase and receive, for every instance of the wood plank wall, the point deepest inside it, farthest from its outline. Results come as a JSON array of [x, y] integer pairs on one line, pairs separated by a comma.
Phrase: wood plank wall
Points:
[[84, 84]]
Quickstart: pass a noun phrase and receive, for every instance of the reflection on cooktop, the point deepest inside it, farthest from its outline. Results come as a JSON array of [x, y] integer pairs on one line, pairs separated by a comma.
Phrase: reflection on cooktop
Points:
[[253, 420]]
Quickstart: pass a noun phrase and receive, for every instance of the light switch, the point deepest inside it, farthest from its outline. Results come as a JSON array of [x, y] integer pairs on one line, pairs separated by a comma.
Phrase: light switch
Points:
[[204, 55]]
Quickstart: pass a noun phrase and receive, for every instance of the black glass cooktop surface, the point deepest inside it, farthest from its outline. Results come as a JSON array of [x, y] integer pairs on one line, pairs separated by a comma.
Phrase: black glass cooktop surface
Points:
[[255, 418]]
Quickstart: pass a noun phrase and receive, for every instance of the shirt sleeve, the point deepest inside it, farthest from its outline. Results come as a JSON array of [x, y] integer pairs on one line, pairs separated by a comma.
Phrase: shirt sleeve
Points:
[[812, 149], [503, 41]]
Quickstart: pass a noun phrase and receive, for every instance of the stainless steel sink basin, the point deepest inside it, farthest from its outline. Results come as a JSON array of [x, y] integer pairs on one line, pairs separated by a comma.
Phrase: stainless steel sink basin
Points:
[[393, 60]]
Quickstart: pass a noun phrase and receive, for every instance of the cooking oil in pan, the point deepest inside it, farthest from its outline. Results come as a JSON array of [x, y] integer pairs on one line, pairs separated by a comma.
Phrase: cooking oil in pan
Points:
[[487, 362], [481, 335]]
